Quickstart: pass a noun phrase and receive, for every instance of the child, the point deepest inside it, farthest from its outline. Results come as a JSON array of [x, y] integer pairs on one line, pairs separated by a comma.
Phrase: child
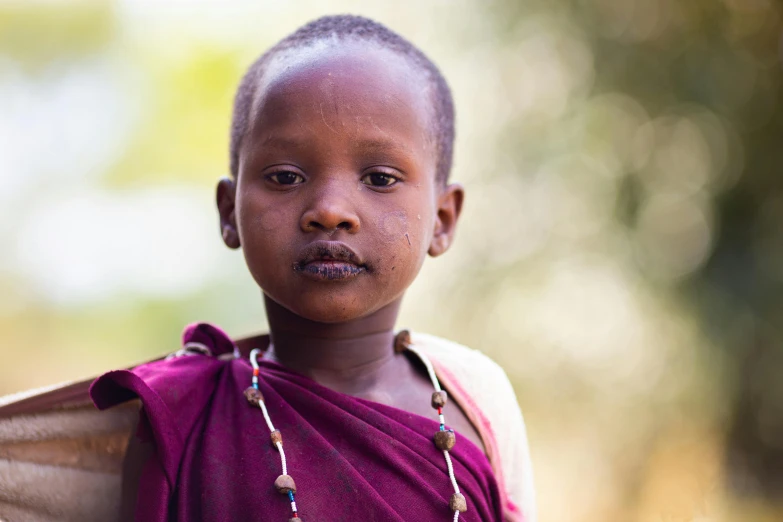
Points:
[[341, 147]]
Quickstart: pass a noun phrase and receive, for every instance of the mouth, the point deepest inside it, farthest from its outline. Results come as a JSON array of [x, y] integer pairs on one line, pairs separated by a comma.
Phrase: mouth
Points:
[[329, 261]]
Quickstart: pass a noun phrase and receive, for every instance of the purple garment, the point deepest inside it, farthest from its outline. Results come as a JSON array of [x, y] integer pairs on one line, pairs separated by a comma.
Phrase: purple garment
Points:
[[352, 459]]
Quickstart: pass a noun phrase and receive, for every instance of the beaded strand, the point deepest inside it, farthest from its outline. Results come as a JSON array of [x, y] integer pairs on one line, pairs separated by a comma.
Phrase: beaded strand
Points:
[[444, 438], [284, 483]]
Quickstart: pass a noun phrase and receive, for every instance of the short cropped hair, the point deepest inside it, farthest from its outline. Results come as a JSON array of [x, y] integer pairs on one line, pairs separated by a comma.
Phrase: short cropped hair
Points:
[[361, 29]]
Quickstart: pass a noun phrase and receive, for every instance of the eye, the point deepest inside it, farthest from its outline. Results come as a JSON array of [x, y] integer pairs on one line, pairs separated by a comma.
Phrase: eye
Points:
[[379, 179], [285, 178]]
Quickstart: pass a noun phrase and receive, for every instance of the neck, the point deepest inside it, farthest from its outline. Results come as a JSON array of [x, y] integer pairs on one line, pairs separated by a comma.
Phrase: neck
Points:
[[350, 357]]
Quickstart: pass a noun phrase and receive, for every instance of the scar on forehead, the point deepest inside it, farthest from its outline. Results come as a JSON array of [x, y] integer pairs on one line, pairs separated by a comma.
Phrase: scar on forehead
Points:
[[321, 108]]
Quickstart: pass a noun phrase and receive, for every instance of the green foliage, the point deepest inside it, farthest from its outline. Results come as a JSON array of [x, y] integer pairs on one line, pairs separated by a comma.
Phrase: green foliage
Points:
[[184, 123], [36, 34]]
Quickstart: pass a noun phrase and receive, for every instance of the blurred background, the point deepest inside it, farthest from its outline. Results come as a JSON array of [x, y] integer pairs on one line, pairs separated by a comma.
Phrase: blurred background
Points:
[[621, 251]]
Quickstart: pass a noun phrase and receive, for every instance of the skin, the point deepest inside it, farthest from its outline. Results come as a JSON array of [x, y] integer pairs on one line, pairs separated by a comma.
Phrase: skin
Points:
[[339, 153]]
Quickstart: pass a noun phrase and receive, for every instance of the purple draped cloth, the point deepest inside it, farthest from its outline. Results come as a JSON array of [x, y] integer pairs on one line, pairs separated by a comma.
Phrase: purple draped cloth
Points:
[[352, 459]]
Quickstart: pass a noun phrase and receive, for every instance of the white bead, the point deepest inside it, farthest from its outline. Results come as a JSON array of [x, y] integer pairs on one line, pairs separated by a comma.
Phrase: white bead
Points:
[[282, 457], [435, 383], [451, 471]]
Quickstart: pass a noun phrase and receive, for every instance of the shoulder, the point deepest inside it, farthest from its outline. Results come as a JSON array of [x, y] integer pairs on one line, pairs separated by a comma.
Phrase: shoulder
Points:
[[171, 378], [173, 391], [461, 361], [483, 389], [472, 372], [480, 377]]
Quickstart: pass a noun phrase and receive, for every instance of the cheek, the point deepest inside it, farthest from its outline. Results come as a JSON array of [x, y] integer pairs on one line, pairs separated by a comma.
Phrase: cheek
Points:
[[393, 226], [265, 241], [400, 238], [403, 239], [411, 229], [254, 217]]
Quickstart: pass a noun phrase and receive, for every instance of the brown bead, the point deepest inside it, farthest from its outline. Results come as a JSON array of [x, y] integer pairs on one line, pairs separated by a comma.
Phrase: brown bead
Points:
[[439, 399], [284, 484], [401, 341], [253, 396], [298, 519], [276, 437], [445, 440], [458, 503]]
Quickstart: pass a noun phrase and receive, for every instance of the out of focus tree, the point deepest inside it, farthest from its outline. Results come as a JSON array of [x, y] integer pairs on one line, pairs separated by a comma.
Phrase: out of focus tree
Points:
[[701, 187]]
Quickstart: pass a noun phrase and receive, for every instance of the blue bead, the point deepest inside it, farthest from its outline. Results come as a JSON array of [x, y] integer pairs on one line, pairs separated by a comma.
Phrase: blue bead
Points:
[[291, 496], [442, 427], [255, 385]]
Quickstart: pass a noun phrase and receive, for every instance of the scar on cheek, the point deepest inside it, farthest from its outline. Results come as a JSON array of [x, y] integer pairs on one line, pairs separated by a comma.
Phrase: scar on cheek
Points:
[[394, 226]]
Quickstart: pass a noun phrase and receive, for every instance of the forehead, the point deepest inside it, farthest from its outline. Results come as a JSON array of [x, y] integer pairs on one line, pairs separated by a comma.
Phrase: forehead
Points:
[[360, 87]]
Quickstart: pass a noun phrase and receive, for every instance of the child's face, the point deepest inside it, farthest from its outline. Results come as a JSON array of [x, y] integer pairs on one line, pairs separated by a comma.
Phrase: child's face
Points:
[[336, 203]]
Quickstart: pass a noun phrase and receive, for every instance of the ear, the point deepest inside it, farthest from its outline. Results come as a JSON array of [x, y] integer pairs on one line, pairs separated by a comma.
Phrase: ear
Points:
[[226, 205], [449, 208]]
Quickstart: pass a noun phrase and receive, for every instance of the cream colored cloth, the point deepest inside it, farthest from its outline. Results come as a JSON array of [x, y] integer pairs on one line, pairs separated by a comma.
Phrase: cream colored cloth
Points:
[[61, 459]]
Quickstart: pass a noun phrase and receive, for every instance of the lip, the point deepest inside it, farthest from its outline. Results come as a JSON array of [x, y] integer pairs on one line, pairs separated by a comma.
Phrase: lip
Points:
[[329, 261]]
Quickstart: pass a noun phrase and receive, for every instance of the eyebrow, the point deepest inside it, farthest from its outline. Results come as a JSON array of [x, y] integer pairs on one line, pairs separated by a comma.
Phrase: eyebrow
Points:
[[367, 145], [276, 141], [381, 146]]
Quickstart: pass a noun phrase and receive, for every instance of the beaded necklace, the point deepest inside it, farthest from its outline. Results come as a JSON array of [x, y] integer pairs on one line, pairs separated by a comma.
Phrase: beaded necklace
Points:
[[444, 438]]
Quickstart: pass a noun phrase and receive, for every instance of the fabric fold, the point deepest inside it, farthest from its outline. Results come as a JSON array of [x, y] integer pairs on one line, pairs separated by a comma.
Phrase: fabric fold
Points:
[[352, 459]]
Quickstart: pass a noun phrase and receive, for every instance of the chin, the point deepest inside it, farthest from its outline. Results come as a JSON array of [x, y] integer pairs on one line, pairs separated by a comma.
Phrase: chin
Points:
[[327, 305], [334, 312]]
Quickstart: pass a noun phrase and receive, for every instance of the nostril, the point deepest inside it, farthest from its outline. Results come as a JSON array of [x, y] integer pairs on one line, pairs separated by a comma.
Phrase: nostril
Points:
[[314, 223]]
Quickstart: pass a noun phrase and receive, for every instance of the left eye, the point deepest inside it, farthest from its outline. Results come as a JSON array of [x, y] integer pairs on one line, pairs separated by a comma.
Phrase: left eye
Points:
[[379, 179]]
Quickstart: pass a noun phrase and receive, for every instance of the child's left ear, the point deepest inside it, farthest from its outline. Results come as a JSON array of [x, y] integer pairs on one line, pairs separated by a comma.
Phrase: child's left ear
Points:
[[449, 208]]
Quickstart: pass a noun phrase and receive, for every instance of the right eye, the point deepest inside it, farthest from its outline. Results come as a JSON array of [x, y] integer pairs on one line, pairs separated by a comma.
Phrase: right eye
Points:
[[286, 178]]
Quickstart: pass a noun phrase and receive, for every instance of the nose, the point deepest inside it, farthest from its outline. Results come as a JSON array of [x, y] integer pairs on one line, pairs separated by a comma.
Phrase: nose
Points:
[[329, 211]]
